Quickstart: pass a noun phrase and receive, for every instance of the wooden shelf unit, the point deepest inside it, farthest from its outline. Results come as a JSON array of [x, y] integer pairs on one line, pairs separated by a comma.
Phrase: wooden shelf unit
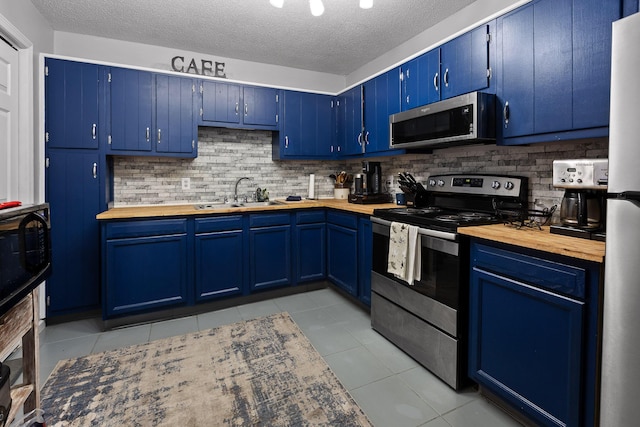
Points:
[[19, 327]]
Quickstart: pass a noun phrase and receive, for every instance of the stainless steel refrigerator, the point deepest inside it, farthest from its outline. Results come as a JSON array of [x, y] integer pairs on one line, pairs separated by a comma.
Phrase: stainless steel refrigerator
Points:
[[620, 376]]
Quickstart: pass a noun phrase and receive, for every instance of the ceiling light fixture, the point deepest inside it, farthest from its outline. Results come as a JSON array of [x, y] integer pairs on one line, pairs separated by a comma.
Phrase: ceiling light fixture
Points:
[[280, 3], [316, 6], [366, 4]]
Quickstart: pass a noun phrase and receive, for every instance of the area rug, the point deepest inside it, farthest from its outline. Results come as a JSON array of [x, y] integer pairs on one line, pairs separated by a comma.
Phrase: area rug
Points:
[[261, 372]]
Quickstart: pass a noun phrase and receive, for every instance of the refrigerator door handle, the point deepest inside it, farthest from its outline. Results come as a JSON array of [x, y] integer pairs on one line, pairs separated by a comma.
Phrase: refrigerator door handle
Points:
[[633, 196]]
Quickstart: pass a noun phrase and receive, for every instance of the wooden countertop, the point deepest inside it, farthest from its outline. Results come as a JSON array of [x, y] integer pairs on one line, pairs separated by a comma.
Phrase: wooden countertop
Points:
[[542, 240], [130, 212]]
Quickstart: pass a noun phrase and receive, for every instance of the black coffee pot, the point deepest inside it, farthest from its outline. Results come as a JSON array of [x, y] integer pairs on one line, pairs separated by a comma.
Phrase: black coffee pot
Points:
[[582, 209]]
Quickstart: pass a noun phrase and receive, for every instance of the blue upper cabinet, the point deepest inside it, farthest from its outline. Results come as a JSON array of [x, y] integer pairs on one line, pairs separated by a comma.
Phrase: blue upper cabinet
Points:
[[459, 66], [232, 105], [305, 128], [381, 99], [131, 110], [175, 130], [152, 114], [555, 68], [350, 135], [72, 100]]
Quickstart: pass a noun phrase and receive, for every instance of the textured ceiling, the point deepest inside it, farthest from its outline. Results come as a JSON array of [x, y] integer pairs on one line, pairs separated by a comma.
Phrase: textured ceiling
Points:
[[338, 42]]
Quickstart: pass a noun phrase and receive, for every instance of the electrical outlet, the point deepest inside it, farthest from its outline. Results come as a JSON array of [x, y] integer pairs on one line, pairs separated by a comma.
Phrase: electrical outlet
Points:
[[186, 183], [390, 181]]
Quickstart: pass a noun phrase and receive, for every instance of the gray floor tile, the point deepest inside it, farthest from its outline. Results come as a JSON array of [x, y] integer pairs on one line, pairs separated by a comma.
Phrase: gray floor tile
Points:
[[391, 356], [52, 352], [480, 413], [361, 329], [356, 367], [75, 329], [173, 327], [214, 319], [296, 303], [331, 339], [258, 309], [438, 422], [310, 320], [326, 297], [435, 392], [389, 402], [123, 337]]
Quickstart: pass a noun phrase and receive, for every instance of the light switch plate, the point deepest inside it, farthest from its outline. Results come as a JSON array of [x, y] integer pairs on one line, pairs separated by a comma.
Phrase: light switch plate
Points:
[[186, 183]]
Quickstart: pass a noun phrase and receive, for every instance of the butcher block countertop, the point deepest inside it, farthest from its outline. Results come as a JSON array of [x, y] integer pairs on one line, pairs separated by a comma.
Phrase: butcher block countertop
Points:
[[131, 212], [542, 240]]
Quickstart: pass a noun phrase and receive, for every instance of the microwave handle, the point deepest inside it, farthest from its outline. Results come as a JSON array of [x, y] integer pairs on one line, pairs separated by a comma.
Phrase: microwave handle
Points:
[[22, 242]]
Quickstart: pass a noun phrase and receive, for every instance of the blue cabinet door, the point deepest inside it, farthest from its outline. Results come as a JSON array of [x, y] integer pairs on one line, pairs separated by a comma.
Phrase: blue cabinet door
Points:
[[131, 110], [526, 346], [381, 99], [310, 252], [260, 106], [465, 63], [219, 264], [175, 130], [220, 102], [351, 106], [342, 257], [291, 126], [145, 273], [421, 80], [270, 257], [365, 260], [72, 100], [73, 183], [306, 131]]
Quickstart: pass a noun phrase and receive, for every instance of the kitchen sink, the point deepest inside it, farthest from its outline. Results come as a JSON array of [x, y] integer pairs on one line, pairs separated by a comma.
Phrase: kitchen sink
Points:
[[219, 205]]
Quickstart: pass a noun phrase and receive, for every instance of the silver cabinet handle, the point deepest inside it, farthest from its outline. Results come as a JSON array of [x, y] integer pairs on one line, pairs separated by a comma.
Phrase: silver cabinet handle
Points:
[[505, 112], [446, 77], [236, 108], [93, 131], [360, 139], [159, 135], [286, 142], [148, 134], [246, 109], [95, 170], [435, 81], [366, 138]]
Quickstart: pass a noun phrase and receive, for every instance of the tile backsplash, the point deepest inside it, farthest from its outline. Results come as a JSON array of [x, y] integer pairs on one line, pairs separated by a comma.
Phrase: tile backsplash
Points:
[[224, 155]]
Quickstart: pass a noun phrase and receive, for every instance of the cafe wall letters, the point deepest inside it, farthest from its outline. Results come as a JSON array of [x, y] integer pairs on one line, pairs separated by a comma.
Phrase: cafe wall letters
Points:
[[203, 67]]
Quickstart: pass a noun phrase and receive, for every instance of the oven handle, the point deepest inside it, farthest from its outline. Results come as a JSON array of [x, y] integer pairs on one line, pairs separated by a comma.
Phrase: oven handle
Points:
[[423, 231]]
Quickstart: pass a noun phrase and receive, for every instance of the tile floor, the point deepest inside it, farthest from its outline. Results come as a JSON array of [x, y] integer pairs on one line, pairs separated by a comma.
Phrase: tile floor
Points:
[[391, 388]]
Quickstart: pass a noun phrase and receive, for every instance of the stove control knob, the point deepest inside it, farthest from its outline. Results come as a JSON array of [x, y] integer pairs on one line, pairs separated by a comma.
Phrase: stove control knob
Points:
[[440, 183], [432, 183], [495, 185], [509, 185]]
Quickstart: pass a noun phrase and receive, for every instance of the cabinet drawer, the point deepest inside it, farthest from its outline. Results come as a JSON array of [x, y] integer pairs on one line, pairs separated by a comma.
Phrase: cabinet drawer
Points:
[[309, 217], [345, 220], [266, 220], [221, 223], [158, 227], [553, 276]]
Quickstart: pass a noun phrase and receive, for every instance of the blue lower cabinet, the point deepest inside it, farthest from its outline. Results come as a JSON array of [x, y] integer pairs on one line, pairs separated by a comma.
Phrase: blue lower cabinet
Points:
[[342, 257], [269, 251], [219, 264], [533, 334], [310, 246], [145, 273]]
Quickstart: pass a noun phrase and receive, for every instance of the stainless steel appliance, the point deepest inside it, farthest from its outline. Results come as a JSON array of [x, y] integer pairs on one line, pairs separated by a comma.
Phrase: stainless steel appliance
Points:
[[428, 319], [463, 119], [369, 188], [582, 211], [620, 374], [25, 252]]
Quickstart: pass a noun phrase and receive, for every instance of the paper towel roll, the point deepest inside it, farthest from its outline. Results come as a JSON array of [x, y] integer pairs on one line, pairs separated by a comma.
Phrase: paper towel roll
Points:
[[312, 186]]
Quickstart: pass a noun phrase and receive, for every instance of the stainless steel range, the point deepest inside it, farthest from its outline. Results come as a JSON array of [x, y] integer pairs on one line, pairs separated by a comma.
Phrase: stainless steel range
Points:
[[428, 318]]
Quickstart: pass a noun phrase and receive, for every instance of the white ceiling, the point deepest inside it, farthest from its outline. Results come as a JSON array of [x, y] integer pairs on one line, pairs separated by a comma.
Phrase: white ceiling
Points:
[[339, 42]]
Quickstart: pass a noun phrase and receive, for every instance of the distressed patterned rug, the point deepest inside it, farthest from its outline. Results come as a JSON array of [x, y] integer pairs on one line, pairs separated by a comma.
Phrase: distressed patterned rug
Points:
[[261, 372]]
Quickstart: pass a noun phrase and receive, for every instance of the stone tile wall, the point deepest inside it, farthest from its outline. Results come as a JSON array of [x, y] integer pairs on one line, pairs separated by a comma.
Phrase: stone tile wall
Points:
[[227, 154]]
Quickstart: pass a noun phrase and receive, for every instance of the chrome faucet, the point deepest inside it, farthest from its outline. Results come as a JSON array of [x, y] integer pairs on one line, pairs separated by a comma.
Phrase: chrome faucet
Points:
[[235, 192]]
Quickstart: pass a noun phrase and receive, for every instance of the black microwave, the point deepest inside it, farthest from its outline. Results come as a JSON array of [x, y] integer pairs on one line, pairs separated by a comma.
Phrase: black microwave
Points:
[[25, 252], [464, 119]]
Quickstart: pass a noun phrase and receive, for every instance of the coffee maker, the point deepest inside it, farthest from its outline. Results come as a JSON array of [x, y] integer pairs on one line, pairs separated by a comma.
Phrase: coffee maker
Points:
[[369, 185], [582, 211]]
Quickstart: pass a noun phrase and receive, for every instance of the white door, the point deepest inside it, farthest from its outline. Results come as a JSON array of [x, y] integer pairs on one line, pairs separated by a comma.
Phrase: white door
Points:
[[8, 115]]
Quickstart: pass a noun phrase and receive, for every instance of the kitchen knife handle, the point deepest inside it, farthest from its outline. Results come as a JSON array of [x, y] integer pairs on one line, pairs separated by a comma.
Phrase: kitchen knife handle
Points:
[[94, 170], [93, 131]]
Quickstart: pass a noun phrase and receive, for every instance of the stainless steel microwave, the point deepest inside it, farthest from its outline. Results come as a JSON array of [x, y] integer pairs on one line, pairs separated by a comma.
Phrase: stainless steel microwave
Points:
[[463, 119]]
